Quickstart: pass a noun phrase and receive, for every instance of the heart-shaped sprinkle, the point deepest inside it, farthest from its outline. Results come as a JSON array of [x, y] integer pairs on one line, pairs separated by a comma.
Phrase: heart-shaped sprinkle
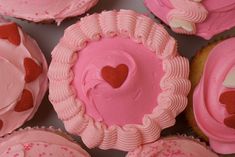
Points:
[[26, 101], [228, 98], [32, 70], [230, 121], [115, 76], [11, 33], [1, 124]]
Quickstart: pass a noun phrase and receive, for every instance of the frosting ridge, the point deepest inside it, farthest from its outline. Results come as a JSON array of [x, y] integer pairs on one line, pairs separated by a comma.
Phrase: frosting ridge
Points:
[[185, 15]]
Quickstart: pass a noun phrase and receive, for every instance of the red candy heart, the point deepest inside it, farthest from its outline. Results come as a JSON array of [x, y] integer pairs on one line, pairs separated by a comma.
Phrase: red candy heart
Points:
[[230, 121], [26, 101], [115, 76], [11, 33], [228, 98], [32, 70], [1, 124]]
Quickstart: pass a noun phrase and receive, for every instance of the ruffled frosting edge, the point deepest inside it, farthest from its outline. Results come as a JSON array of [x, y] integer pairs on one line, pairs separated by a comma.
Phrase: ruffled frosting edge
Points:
[[141, 29], [185, 15]]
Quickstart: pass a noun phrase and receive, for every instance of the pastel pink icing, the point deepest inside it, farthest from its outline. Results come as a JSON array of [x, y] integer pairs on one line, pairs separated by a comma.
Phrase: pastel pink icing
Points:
[[122, 37], [44, 10], [209, 112], [39, 143], [135, 98], [173, 147], [210, 17], [12, 81]]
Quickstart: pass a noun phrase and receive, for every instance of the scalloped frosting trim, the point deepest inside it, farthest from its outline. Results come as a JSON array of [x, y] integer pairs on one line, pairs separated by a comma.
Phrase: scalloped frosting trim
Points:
[[141, 29], [185, 15]]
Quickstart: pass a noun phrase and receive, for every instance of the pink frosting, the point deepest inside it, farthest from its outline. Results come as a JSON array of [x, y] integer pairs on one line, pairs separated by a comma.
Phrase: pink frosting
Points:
[[12, 81], [135, 98], [173, 147], [125, 36], [204, 17], [39, 143], [209, 112], [43, 10]]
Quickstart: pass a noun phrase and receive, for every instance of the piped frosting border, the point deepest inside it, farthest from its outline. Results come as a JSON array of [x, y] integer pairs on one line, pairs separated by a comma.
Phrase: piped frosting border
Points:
[[141, 29]]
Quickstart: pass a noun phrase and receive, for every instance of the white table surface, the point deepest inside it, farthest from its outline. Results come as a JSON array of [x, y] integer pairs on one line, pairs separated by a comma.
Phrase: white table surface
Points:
[[47, 36]]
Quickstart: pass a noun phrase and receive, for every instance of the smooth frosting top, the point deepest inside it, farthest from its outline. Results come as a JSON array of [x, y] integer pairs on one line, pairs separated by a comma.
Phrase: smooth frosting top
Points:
[[173, 147], [213, 101], [137, 95], [23, 79], [43, 10], [122, 77], [193, 17], [39, 143]]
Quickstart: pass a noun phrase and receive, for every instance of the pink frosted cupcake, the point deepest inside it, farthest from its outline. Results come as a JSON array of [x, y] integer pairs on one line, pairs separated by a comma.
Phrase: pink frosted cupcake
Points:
[[23, 80], [45, 10], [204, 18], [173, 147], [117, 80], [39, 142], [214, 94]]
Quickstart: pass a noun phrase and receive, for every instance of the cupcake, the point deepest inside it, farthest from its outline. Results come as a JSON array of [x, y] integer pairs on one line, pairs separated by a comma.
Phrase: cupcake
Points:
[[23, 80], [40, 142], [204, 18], [175, 146], [213, 95], [45, 10], [117, 80]]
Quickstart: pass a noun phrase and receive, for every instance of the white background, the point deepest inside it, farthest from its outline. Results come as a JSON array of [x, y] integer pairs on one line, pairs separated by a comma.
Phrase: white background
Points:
[[47, 36]]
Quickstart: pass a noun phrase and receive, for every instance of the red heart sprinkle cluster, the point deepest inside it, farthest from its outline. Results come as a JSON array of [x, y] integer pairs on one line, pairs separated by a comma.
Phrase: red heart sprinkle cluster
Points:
[[228, 99]]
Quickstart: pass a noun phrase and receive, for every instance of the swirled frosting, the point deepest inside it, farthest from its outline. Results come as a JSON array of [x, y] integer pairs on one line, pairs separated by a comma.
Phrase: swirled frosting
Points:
[[117, 80], [205, 18], [39, 143], [20, 59], [212, 113], [137, 95], [173, 147], [45, 10]]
